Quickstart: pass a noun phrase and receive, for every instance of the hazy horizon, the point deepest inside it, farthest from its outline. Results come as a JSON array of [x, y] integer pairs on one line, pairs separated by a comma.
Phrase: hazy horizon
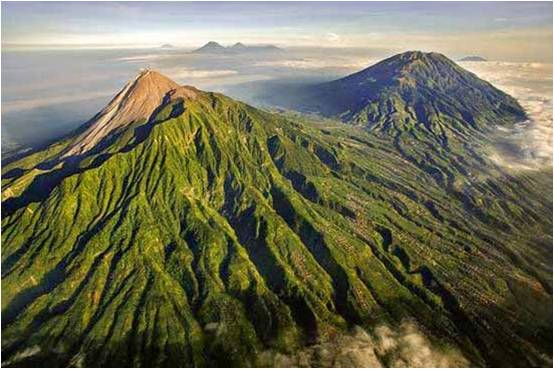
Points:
[[64, 62], [510, 31]]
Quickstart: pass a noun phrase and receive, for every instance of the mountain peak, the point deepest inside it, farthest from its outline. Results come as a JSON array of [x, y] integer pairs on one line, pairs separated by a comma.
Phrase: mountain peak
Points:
[[152, 79], [418, 54], [415, 91], [473, 58], [410, 58], [210, 47], [413, 55], [213, 47], [136, 102], [213, 43]]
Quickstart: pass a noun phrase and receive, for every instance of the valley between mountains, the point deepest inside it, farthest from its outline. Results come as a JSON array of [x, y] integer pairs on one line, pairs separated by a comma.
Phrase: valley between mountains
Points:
[[180, 227]]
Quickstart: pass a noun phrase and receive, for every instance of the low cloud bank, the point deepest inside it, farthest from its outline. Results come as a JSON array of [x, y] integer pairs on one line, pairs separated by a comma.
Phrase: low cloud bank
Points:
[[406, 346], [528, 145], [199, 73], [142, 58], [316, 63], [39, 102]]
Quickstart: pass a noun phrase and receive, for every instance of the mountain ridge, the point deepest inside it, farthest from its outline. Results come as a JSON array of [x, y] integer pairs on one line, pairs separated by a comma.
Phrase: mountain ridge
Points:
[[213, 47], [207, 232], [210, 47]]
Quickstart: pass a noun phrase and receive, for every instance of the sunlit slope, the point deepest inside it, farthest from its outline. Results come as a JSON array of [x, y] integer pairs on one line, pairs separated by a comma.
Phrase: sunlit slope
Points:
[[211, 231]]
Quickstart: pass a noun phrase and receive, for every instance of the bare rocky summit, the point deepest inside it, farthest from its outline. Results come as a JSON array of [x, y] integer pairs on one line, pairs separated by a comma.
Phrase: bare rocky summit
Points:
[[136, 102]]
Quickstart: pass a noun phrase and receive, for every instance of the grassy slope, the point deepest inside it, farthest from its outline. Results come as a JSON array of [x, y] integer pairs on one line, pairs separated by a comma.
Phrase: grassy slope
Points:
[[224, 230]]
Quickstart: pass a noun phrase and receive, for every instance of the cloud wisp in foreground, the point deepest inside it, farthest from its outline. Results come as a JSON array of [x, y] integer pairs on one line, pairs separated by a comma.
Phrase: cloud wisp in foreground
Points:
[[386, 346]]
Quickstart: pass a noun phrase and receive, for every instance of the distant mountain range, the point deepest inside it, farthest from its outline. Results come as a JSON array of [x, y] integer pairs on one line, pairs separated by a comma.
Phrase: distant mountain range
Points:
[[180, 227], [473, 58], [213, 47]]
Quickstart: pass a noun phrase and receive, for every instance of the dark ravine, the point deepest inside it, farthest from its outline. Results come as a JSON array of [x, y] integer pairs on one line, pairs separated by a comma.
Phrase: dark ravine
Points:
[[202, 231]]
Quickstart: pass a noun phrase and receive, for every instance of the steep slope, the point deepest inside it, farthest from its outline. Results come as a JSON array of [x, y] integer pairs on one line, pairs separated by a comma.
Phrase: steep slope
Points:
[[135, 103], [207, 232], [416, 93]]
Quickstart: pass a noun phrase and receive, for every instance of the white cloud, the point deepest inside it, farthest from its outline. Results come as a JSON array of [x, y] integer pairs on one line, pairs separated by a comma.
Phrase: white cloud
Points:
[[201, 73], [211, 79], [28, 104], [333, 37], [141, 58], [312, 63], [527, 145], [405, 346]]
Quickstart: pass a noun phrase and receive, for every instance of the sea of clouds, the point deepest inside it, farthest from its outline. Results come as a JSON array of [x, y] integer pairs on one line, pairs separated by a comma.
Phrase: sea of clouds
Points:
[[47, 94], [317, 63], [527, 145]]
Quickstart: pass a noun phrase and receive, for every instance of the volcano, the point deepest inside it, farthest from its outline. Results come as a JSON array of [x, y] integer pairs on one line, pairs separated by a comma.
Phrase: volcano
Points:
[[415, 93], [211, 47], [180, 227]]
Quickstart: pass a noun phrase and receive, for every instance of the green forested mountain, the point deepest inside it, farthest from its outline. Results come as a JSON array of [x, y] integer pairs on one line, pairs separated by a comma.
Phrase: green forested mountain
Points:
[[424, 95], [181, 227]]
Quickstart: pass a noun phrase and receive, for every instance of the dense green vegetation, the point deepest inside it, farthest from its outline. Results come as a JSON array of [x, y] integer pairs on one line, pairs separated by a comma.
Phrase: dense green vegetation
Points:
[[215, 231], [416, 95]]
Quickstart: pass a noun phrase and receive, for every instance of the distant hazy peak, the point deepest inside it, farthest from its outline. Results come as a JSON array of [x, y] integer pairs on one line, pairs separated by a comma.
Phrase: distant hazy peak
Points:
[[210, 47], [473, 58], [135, 102], [213, 43], [214, 47]]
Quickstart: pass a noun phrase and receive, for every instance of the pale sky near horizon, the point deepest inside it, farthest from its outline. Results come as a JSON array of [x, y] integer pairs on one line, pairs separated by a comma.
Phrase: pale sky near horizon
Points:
[[513, 31]]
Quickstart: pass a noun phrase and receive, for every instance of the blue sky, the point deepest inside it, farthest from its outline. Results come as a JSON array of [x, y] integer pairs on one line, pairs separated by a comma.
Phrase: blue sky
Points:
[[449, 27]]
